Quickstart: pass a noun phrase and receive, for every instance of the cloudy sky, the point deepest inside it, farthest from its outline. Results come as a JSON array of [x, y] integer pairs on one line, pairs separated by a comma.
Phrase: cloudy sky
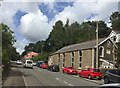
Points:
[[33, 21]]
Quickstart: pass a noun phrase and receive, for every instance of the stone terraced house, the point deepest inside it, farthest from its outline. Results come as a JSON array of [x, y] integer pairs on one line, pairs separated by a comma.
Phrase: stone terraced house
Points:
[[83, 55]]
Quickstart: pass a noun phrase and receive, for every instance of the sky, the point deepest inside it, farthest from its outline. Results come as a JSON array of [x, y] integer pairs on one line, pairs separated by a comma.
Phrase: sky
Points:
[[32, 21]]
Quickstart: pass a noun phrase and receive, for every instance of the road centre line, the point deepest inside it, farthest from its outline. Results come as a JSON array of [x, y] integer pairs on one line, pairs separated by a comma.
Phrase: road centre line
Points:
[[65, 82], [57, 79], [70, 85]]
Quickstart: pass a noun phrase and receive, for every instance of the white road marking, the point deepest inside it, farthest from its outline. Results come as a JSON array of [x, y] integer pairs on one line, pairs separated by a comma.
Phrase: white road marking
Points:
[[70, 85], [65, 82], [23, 78], [57, 79], [76, 76]]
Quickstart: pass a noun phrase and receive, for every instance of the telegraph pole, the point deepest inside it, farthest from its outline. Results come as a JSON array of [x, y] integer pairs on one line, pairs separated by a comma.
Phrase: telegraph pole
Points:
[[97, 61], [42, 49]]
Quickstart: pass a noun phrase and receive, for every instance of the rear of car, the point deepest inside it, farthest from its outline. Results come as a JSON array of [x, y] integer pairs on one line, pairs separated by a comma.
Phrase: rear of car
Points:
[[54, 68], [19, 62], [28, 64], [72, 71], [112, 76], [65, 69], [39, 63], [95, 74], [91, 73], [44, 66]]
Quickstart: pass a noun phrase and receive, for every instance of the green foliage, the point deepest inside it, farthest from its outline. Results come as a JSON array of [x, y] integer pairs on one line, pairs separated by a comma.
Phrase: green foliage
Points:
[[63, 35], [42, 57], [8, 51], [115, 20]]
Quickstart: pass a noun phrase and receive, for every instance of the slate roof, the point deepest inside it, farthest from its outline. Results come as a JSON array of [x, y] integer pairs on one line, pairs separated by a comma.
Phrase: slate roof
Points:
[[80, 46], [117, 32]]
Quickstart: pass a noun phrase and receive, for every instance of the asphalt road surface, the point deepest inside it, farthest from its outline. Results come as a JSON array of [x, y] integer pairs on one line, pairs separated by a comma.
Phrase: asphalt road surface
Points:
[[41, 77]]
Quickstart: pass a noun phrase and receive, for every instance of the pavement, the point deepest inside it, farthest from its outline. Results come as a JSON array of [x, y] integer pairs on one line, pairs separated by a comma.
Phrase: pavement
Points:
[[14, 78]]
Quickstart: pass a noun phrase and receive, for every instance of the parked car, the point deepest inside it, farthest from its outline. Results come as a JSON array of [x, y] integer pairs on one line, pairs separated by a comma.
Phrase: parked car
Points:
[[39, 63], [19, 62], [28, 63], [44, 65], [54, 68], [34, 63], [91, 73], [70, 70], [112, 85], [112, 76]]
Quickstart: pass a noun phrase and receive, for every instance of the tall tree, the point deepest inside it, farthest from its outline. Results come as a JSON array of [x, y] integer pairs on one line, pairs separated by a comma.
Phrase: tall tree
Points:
[[7, 46], [115, 20]]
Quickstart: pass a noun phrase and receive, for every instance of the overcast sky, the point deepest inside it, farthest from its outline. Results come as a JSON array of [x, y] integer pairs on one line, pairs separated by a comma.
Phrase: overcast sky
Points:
[[33, 21]]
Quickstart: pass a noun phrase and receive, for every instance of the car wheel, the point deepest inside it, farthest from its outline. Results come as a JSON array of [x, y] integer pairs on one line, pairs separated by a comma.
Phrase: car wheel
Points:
[[79, 75], [89, 77], [63, 71], [106, 80], [99, 78]]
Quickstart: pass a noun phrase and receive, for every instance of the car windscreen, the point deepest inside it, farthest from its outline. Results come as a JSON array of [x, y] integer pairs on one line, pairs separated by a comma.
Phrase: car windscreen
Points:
[[29, 62]]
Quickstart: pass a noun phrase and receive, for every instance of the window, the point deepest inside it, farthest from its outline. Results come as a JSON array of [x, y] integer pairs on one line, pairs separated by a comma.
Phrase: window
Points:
[[58, 59], [101, 49], [72, 64], [80, 53], [72, 54], [108, 44], [63, 59], [72, 59], [80, 58], [80, 65]]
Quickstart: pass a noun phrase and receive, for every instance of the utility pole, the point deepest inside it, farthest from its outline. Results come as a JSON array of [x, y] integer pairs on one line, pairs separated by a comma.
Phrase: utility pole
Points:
[[42, 49], [97, 61]]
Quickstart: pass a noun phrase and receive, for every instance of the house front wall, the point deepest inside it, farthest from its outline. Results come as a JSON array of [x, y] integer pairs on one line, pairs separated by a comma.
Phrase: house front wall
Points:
[[108, 53], [87, 58]]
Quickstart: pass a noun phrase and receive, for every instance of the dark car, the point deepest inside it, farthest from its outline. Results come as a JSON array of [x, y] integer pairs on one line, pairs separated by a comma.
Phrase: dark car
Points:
[[112, 76], [39, 63], [54, 68]]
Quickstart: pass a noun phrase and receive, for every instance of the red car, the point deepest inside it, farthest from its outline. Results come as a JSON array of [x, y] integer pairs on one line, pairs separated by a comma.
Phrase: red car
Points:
[[91, 73], [44, 66], [70, 70]]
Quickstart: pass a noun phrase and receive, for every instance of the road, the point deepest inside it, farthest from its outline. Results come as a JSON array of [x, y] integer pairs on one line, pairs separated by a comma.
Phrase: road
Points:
[[43, 77]]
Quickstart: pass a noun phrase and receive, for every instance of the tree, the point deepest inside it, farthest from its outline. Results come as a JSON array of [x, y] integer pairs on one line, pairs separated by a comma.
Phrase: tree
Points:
[[57, 37], [8, 51], [115, 20]]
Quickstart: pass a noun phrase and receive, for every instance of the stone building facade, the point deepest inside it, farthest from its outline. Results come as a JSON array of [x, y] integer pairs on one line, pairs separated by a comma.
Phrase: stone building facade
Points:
[[83, 55]]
